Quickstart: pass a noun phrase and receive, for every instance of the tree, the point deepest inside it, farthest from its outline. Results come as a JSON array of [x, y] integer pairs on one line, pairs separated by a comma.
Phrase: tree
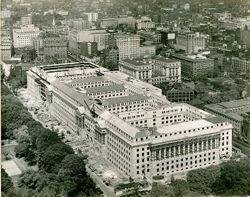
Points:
[[234, 178], [160, 190], [53, 156], [201, 180], [73, 174], [46, 139], [180, 188], [22, 135], [21, 150], [6, 183]]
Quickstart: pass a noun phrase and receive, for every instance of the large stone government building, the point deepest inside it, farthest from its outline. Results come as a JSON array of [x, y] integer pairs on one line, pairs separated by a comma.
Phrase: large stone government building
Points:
[[141, 133]]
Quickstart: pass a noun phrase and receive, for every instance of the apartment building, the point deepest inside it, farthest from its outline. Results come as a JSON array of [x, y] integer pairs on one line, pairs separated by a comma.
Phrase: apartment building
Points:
[[144, 134], [22, 37]]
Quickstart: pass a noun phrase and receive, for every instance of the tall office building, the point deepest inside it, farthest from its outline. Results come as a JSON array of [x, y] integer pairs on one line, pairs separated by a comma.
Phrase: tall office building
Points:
[[92, 16], [98, 36], [190, 42], [5, 45], [245, 37], [195, 66], [23, 36], [88, 49], [128, 45], [55, 47]]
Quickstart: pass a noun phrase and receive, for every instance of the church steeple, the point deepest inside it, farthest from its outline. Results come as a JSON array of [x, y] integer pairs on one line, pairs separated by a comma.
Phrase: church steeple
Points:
[[54, 22]]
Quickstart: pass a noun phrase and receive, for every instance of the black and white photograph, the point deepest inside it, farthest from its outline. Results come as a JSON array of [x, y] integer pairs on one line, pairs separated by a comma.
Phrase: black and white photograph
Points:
[[125, 98]]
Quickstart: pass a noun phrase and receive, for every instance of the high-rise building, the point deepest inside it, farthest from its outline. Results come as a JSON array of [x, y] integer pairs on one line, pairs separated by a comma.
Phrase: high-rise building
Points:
[[79, 24], [26, 20], [190, 42], [55, 47], [195, 66], [138, 131], [98, 36], [5, 45], [5, 49], [88, 49], [129, 21], [245, 37], [128, 45], [5, 13], [38, 45], [23, 36], [92, 16]]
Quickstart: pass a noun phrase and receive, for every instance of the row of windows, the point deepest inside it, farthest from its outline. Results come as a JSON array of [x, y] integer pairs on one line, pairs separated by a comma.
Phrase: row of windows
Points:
[[107, 95], [89, 85], [128, 108], [179, 164], [119, 130], [184, 149]]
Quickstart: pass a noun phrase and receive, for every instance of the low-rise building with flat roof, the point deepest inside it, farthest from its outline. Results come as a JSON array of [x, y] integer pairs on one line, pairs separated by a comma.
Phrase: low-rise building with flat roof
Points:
[[232, 111]]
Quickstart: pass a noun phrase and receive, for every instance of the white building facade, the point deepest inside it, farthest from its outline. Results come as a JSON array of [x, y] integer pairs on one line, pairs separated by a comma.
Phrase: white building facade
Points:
[[144, 135], [23, 37]]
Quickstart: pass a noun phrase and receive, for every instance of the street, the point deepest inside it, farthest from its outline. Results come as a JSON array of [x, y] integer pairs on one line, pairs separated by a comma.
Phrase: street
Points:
[[108, 191]]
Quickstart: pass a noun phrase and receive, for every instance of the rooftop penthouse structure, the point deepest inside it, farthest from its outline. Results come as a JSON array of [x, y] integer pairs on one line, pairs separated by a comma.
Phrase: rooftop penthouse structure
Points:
[[141, 133]]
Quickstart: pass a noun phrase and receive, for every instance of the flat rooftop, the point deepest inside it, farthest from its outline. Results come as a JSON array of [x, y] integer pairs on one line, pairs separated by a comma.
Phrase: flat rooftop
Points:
[[135, 62], [167, 60], [109, 88], [230, 104], [124, 99], [184, 125], [67, 66], [191, 58], [79, 97], [87, 80], [236, 103]]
